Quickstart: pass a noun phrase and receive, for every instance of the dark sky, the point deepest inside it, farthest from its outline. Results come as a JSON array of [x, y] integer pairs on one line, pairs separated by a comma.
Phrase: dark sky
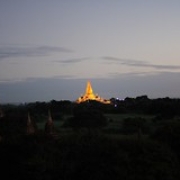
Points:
[[50, 49]]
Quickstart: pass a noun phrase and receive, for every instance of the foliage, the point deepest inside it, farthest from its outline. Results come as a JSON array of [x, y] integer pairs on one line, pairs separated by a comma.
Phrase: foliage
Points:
[[169, 134], [84, 156], [89, 118], [109, 153], [132, 125]]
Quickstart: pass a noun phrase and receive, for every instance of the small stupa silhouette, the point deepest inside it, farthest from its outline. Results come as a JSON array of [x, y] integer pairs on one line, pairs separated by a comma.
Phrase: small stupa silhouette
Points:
[[30, 126], [1, 113], [49, 126]]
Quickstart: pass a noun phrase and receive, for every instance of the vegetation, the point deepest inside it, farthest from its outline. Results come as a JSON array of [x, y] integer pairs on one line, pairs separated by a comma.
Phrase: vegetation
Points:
[[137, 138]]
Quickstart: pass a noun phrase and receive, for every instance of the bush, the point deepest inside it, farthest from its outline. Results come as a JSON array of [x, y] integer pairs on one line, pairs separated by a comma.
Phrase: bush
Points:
[[169, 134], [88, 118], [133, 125]]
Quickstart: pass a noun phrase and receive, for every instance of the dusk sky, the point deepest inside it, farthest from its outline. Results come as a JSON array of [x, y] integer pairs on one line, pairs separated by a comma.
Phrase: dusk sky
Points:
[[126, 48]]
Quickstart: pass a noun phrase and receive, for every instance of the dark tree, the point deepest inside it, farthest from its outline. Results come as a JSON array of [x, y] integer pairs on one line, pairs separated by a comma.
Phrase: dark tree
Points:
[[87, 117]]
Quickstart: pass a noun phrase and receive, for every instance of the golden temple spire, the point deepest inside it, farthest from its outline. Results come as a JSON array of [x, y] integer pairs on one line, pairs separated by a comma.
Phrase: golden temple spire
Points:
[[89, 89], [89, 95]]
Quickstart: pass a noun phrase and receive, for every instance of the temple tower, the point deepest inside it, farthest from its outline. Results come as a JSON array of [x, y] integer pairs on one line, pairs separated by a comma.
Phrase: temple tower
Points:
[[30, 126], [49, 126], [1, 113], [89, 95]]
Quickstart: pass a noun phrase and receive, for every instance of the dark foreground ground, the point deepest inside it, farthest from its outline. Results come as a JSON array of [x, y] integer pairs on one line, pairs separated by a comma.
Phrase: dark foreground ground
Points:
[[128, 143], [87, 156]]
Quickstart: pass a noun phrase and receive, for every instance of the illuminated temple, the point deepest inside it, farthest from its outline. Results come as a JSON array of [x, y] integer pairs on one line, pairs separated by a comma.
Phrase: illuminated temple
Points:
[[89, 95]]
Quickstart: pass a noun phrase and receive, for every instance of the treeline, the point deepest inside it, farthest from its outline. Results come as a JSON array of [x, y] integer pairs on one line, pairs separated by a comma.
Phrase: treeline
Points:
[[38, 110], [142, 104]]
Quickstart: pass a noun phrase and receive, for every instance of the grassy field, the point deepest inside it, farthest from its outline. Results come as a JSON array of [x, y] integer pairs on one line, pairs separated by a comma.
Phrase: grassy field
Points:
[[117, 119], [112, 129], [120, 117]]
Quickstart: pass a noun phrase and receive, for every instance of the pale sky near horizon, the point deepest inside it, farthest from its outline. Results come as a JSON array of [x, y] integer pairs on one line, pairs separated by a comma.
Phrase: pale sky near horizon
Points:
[[50, 48]]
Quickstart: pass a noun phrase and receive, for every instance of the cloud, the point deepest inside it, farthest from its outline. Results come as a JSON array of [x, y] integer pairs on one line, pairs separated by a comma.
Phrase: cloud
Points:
[[32, 79], [137, 63], [162, 84], [73, 60], [131, 74], [19, 51]]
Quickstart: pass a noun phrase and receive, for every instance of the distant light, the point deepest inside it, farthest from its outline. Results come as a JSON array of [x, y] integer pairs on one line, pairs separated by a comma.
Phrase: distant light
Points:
[[119, 99]]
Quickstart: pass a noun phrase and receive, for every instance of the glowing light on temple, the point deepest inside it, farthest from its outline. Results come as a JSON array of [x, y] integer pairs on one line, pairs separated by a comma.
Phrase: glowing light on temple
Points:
[[89, 95]]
